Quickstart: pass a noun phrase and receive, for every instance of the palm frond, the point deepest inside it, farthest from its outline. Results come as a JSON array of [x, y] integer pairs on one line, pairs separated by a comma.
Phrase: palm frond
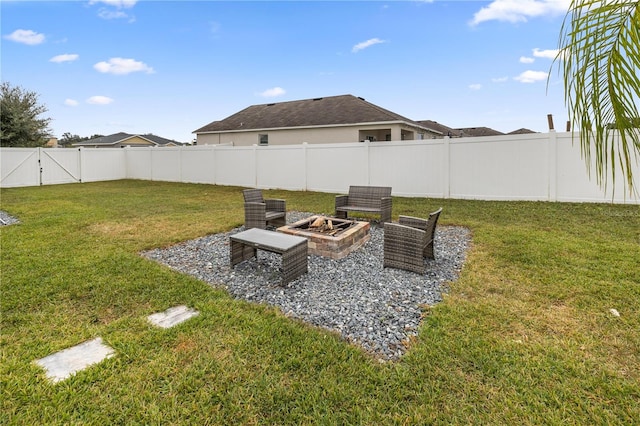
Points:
[[599, 48]]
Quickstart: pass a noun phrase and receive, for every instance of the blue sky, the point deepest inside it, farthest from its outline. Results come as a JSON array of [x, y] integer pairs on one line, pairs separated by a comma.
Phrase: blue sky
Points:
[[170, 67]]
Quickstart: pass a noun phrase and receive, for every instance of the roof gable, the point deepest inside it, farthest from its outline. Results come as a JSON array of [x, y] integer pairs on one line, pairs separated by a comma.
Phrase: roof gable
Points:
[[521, 131], [326, 111]]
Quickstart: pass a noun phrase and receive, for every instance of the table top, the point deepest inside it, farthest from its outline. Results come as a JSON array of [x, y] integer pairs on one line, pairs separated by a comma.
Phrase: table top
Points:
[[269, 239]]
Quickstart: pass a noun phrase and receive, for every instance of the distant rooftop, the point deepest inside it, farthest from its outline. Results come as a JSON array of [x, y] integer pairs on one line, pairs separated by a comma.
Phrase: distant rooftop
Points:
[[325, 111]]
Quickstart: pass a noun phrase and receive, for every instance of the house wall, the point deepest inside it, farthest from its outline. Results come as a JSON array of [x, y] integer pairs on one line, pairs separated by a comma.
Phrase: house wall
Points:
[[134, 141], [316, 135], [536, 167]]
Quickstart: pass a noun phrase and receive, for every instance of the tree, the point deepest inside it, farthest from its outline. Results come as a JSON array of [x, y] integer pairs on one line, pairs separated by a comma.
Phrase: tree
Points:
[[20, 124], [599, 48], [68, 139]]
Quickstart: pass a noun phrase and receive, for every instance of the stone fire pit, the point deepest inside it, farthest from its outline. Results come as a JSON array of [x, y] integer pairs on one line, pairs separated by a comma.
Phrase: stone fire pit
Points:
[[329, 236]]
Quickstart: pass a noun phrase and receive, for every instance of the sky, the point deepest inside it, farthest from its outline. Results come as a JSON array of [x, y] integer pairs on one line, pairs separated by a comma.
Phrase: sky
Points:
[[171, 67]]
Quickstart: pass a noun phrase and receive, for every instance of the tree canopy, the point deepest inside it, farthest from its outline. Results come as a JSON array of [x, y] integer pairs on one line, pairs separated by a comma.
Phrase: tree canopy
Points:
[[69, 139], [20, 122]]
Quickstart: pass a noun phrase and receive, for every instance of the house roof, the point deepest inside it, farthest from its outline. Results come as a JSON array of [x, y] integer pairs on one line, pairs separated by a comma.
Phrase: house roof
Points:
[[461, 131], [121, 137], [326, 111], [521, 131], [445, 130], [478, 131]]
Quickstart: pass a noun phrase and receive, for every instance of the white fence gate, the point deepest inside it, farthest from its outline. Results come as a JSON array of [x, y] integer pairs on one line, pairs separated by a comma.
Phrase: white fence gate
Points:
[[20, 167], [50, 166]]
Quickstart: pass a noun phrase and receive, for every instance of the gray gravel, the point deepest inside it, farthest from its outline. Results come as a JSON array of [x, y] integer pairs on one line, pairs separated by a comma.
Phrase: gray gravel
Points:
[[378, 309], [6, 219]]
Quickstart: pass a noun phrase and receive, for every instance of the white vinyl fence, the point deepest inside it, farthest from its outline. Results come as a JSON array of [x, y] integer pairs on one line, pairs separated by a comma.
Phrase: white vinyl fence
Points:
[[537, 166]]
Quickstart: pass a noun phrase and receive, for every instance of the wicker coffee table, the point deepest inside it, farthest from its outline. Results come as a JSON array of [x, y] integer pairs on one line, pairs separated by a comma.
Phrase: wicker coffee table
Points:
[[244, 246]]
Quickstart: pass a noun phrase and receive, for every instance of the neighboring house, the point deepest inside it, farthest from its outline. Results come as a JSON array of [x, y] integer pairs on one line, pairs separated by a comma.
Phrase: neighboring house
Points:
[[478, 131], [445, 130], [121, 140], [332, 119], [466, 132], [522, 131], [462, 132], [52, 143]]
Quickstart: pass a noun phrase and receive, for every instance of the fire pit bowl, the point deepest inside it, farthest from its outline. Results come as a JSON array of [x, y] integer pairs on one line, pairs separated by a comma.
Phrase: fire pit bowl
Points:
[[329, 236]]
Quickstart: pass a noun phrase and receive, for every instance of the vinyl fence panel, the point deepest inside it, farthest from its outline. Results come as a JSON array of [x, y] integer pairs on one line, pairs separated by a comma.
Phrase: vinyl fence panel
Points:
[[573, 183], [165, 164], [411, 168], [333, 167], [236, 166], [138, 163], [198, 164], [281, 167], [19, 167], [100, 164], [539, 166], [498, 168]]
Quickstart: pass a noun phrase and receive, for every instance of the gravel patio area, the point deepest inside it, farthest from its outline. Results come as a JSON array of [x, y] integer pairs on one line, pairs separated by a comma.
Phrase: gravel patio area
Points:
[[376, 308]]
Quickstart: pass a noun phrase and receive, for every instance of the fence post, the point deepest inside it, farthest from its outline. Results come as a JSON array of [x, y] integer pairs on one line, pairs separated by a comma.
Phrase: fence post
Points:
[[447, 167], [214, 159], [552, 150], [180, 159], [367, 142], [255, 165], [306, 164], [126, 162], [80, 163]]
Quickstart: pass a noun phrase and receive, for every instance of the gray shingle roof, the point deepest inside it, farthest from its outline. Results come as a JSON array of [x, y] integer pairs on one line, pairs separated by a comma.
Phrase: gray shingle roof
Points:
[[478, 131], [121, 137], [521, 131], [331, 110], [445, 130], [462, 131]]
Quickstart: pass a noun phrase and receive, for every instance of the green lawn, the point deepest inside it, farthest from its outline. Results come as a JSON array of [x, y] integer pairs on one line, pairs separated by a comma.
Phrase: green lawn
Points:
[[525, 336]]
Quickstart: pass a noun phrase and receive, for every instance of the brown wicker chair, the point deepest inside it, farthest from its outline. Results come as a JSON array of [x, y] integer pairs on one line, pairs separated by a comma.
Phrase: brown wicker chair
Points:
[[408, 242], [258, 212], [365, 199]]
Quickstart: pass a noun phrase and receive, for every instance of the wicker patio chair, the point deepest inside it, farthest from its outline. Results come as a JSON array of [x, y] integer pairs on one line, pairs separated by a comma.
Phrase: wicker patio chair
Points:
[[408, 242], [258, 212]]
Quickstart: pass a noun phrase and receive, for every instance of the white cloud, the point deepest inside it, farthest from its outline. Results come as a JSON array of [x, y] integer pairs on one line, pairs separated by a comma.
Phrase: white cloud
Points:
[[124, 4], [548, 53], [365, 44], [475, 86], [500, 79], [67, 57], [26, 37], [116, 9], [99, 100], [531, 76], [71, 102], [272, 93], [526, 60], [112, 14], [519, 10], [121, 66]]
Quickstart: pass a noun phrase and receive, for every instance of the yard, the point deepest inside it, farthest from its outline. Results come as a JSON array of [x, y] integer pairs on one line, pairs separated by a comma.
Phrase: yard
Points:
[[542, 326]]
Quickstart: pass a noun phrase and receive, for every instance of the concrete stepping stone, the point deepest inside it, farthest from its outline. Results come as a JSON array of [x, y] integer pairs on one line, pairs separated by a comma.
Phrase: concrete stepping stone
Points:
[[172, 316], [67, 362]]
